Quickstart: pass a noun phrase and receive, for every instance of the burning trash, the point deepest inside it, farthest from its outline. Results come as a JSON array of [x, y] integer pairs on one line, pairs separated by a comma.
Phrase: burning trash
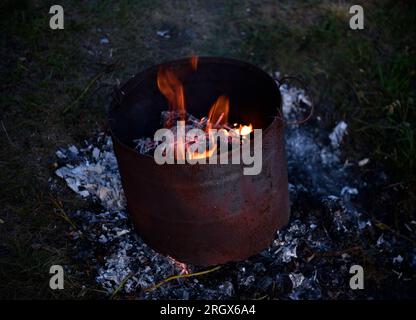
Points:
[[227, 193], [192, 138]]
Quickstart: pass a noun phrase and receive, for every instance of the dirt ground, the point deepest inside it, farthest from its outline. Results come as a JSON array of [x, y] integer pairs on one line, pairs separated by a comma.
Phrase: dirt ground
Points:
[[57, 84]]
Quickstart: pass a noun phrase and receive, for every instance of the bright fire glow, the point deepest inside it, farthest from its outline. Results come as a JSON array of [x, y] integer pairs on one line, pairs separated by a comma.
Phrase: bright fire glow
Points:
[[218, 114], [245, 130], [171, 87]]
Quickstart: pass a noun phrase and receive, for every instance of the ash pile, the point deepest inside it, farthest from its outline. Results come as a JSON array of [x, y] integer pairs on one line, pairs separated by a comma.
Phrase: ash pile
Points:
[[329, 231]]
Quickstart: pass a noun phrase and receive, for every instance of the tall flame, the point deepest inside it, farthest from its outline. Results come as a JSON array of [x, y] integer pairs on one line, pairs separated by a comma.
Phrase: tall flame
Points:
[[172, 89], [218, 114]]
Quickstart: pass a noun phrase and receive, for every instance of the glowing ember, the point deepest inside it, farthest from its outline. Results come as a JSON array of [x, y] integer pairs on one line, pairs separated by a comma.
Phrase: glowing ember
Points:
[[246, 130]]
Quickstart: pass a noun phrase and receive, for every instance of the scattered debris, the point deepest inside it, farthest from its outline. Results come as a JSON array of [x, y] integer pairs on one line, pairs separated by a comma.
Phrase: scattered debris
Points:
[[348, 190], [73, 149], [295, 101], [363, 162], [96, 175], [309, 259], [163, 34], [398, 259], [104, 40], [338, 134], [297, 279], [60, 154]]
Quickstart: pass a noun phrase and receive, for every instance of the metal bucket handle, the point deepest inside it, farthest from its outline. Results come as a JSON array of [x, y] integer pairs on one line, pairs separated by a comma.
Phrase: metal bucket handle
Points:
[[282, 81]]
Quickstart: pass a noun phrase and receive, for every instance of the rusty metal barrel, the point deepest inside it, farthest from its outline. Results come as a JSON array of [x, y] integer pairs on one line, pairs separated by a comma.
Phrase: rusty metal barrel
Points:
[[203, 214]]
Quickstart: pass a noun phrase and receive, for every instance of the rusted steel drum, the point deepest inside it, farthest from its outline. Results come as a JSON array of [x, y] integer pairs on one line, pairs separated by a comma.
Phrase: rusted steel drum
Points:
[[203, 214]]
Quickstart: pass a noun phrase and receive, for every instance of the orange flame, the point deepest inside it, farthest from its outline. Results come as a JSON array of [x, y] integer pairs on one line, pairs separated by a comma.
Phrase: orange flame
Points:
[[207, 154], [172, 89], [194, 62], [218, 114]]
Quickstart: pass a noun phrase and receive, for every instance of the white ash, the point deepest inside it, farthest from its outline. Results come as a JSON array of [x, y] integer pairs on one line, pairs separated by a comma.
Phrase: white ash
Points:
[[323, 221], [104, 40], [287, 251], [297, 279], [292, 100], [337, 135], [73, 149], [348, 190], [227, 288], [95, 175], [248, 281], [307, 154], [380, 240], [96, 153], [363, 162], [60, 154], [163, 34], [398, 259]]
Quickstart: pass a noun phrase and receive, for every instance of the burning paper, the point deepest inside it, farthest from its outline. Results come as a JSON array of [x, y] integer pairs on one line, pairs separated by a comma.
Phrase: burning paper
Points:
[[193, 138]]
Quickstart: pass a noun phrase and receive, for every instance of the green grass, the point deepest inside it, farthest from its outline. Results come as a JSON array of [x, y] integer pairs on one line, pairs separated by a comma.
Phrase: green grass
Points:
[[365, 77], [371, 75]]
